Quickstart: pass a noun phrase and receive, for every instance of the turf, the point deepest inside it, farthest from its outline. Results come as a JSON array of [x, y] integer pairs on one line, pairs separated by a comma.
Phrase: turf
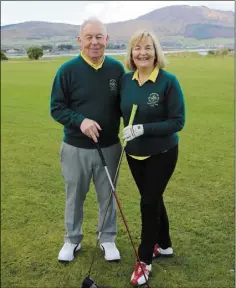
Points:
[[199, 197]]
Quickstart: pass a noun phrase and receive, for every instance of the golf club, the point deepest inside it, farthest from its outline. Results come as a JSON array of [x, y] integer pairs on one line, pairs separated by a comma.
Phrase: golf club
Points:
[[88, 282], [119, 206]]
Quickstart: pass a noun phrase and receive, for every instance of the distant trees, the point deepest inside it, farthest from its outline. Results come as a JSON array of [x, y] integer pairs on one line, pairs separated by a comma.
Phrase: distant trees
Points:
[[64, 47], [211, 52], [220, 52], [35, 52], [47, 47], [116, 46], [3, 56], [224, 52]]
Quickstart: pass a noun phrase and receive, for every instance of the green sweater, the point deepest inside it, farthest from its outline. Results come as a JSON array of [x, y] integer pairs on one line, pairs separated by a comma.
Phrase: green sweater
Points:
[[161, 110], [79, 91]]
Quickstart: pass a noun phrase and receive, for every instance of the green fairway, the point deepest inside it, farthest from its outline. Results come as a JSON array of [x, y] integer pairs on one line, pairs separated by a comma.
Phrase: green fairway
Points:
[[199, 198]]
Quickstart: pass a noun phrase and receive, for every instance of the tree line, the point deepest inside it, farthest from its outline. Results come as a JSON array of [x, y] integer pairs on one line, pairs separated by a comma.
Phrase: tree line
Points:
[[36, 52]]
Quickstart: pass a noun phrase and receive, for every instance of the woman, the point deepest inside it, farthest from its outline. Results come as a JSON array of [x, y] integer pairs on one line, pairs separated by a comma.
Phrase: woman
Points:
[[152, 147]]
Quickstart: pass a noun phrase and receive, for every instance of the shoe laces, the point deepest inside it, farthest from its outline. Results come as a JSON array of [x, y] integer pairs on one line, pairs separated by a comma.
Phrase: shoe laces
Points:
[[108, 245], [156, 249], [70, 245], [139, 268]]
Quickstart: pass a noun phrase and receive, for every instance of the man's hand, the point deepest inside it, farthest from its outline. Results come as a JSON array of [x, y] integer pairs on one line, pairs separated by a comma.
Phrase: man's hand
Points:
[[90, 128], [130, 132]]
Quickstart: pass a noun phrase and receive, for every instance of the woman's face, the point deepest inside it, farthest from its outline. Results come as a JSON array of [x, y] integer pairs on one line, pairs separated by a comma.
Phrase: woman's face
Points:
[[143, 53]]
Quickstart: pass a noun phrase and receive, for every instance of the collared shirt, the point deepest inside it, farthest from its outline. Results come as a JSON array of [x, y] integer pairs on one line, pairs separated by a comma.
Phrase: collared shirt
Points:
[[95, 66], [152, 77]]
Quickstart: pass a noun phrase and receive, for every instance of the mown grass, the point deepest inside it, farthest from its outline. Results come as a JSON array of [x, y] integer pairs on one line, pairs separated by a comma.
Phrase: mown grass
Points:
[[199, 197]]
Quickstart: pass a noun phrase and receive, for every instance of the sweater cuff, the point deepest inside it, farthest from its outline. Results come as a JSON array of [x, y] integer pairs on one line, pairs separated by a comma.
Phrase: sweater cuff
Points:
[[146, 129], [79, 119]]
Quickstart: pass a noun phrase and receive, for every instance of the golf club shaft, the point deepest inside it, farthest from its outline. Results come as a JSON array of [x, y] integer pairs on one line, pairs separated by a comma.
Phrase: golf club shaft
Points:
[[118, 203], [131, 119]]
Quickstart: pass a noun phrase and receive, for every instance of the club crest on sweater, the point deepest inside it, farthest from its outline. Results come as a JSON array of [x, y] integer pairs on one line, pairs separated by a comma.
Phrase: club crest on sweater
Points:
[[153, 99], [112, 84]]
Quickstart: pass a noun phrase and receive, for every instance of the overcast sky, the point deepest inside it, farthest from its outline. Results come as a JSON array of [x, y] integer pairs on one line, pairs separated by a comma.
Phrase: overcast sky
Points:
[[74, 12]]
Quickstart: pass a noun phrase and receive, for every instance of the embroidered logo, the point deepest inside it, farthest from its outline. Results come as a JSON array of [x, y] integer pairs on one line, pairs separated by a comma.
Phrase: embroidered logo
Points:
[[112, 84], [153, 99]]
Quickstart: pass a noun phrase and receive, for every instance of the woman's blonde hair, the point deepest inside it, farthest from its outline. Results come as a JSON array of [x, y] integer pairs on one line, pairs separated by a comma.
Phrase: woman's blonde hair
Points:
[[160, 60]]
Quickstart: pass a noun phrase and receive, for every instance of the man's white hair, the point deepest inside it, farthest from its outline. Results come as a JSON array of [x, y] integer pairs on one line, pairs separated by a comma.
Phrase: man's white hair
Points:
[[91, 20]]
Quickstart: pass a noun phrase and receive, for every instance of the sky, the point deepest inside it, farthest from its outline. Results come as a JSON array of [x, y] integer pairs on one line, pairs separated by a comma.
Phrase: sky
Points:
[[74, 12]]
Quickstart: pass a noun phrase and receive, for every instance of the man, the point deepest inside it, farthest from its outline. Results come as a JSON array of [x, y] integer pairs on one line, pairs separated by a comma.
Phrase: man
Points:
[[85, 99]]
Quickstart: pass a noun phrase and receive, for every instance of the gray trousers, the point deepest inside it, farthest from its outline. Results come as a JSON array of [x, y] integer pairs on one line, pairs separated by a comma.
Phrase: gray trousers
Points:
[[79, 166]]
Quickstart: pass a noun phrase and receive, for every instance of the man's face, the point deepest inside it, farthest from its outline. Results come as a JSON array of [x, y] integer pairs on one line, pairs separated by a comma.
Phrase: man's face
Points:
[[93, 40]]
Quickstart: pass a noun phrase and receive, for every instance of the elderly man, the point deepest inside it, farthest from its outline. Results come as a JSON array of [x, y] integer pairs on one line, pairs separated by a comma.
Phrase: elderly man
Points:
[[85, 99]]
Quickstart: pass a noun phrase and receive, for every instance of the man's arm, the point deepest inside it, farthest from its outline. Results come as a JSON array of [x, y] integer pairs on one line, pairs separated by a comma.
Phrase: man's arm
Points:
[[61, 112], [59, 106]]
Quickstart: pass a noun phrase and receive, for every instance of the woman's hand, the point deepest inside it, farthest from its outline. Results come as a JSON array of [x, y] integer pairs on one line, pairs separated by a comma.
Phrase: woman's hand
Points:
[[132, 131]]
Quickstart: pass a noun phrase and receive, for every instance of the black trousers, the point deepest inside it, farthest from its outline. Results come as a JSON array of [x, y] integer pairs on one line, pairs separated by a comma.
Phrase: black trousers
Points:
[[152, 176]]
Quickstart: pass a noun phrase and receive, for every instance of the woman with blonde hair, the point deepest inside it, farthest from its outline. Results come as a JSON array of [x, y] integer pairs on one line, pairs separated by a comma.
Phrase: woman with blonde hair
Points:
[[152, 147]]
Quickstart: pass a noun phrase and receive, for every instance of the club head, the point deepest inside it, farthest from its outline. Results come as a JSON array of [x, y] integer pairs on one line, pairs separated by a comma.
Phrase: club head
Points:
[[89, 283], [144, 286]]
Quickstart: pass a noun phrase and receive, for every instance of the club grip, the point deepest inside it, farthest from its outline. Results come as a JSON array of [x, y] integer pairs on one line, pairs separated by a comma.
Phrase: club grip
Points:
[[132, 115], [101, 154], [131, 118]]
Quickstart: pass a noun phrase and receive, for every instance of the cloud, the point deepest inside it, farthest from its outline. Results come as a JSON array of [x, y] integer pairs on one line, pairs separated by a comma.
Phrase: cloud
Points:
[[74, 12], [115, 11], [94, 8]]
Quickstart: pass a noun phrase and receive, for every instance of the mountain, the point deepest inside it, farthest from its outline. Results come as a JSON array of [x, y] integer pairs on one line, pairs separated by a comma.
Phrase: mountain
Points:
[[207, 31], [173, 21], [180, 20]]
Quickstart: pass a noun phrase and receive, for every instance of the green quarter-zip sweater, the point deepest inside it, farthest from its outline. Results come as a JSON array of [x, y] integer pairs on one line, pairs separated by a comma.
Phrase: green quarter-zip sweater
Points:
[[161, 111], [79, 91]]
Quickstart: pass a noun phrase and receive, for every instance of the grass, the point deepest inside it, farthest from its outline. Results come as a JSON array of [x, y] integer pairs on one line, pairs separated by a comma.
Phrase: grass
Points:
[[199, 197]]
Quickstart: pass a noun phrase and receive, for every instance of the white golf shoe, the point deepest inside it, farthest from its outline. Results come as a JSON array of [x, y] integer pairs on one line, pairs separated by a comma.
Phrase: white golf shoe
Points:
[[67, 252], [112, 254]]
